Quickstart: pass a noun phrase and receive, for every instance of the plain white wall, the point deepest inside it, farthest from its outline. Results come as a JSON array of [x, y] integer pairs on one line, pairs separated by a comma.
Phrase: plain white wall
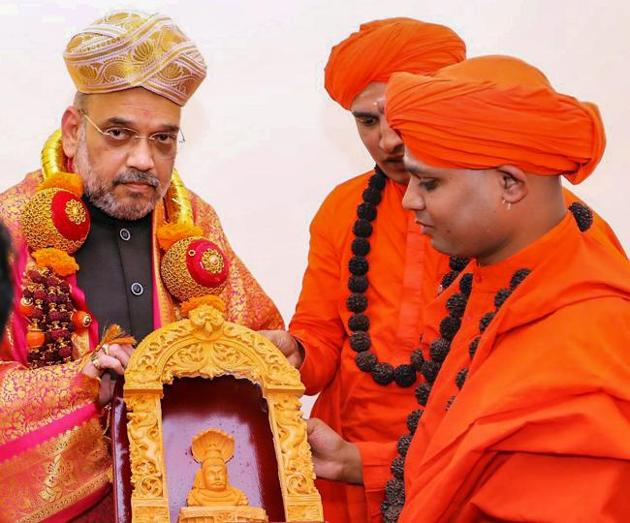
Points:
[[265, 144]]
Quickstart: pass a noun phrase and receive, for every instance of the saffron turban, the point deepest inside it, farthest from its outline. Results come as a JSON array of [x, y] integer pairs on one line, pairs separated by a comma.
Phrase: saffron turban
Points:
[[491, 111], [383, 47], [128, 49]]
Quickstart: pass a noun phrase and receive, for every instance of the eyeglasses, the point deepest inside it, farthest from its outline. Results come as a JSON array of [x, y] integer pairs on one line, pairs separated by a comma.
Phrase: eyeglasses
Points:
[[163, 144]]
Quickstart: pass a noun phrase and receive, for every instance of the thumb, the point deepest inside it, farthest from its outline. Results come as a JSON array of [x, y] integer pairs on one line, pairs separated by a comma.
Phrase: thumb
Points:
[[313, 427]]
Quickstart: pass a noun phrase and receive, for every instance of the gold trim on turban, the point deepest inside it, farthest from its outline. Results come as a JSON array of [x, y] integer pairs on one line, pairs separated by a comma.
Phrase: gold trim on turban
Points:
[[128, 49]]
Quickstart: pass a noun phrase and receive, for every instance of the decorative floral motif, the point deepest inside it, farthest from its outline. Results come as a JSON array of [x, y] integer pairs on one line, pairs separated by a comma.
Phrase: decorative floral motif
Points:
[[208, 346], [76, 212]]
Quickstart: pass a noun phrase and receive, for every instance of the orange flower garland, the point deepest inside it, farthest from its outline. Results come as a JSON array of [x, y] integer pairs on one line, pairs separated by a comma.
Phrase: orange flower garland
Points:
[[58, 261], [70, 182], [171, 233]]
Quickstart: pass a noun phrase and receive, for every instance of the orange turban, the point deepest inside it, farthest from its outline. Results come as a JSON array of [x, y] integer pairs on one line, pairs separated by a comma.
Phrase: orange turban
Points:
[[383, 47], [491, 111]]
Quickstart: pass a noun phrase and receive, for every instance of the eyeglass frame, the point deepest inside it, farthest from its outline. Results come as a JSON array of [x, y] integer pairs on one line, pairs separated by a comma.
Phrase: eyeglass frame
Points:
[[181, 139]]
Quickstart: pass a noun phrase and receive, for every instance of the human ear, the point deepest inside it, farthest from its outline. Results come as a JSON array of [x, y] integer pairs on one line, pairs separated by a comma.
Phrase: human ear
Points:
[[70, 128], [514, 184]]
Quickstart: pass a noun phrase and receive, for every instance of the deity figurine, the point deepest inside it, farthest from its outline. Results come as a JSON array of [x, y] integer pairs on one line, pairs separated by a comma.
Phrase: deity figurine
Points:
[[212, 499], [213, 448]]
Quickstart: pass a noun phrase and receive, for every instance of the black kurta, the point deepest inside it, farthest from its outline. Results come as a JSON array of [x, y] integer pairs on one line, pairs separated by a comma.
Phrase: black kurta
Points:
[[115, 272]]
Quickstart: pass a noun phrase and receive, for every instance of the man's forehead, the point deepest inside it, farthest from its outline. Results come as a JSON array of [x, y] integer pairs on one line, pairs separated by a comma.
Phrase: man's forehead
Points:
[[416, 166], [367, 100], [134, 104]]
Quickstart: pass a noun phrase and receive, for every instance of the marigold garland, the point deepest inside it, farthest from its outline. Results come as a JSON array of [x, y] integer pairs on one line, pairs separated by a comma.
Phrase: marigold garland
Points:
[[56, 260], [70, 182], [170, 233], [208, 299]]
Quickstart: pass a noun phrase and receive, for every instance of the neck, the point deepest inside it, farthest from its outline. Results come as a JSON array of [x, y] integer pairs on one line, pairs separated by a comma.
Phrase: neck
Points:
[[538, 220]]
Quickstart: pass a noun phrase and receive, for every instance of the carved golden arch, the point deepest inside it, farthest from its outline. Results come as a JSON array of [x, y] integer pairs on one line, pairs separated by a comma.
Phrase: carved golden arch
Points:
[[206, 345]]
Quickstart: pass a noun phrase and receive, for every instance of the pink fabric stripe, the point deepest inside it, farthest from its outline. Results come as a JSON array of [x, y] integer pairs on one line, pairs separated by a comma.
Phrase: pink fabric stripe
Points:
[[157, 317], [78, 296], [78, 508], [43, 434], [19, 349]]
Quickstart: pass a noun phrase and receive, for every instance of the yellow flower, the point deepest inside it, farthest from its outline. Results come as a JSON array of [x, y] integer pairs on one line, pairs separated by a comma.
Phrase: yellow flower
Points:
[[208, 299], [171, 233], [58, 261], [70, 182]]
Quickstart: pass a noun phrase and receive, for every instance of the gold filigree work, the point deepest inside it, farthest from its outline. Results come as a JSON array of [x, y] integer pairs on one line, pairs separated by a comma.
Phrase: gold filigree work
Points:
[[175, 274], [75, 212], [206, 345], [212, 261], [38, 227]]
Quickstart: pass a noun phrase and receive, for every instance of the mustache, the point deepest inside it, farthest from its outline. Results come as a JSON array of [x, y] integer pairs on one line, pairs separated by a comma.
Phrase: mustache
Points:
[[136, 176]]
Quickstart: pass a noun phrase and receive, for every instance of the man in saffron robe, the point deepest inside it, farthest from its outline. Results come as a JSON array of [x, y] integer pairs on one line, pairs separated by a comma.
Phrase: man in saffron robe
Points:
[[358, 338], [529, 417], [88, 231]]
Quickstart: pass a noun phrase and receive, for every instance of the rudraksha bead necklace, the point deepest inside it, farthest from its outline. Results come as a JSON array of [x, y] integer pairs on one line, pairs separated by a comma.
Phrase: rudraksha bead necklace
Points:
[[383, 373], [456, 305]]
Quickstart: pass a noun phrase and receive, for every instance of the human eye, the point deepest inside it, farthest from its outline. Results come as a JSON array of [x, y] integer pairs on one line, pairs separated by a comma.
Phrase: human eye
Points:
[[367, 121], [164, 138], [428, 184], [118, 134]]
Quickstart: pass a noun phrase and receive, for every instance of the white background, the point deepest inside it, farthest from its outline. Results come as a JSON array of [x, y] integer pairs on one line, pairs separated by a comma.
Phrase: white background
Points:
[[265, 144]]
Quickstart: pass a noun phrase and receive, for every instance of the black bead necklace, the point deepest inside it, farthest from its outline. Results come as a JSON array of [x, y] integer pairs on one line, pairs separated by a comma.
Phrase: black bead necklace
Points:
[[383, 373], [438, 350]]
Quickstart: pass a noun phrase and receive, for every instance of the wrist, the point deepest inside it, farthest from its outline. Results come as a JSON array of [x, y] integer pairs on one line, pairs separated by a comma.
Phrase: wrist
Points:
[[300, 353], [352, 471]]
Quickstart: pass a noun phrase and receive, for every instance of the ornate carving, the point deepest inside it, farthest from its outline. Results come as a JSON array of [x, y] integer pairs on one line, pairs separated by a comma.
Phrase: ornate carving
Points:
[[234, 515], [146, 452], [208, 346]]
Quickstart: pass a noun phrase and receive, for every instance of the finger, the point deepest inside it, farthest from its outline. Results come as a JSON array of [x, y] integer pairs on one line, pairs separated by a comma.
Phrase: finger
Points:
[[110, 362], [272, 336], [313, 425], [127, 349], [120, 354]]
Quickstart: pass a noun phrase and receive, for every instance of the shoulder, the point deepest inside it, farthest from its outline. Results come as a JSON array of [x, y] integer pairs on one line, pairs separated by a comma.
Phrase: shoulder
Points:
[[13, 200], [348, 192], [339, 207], [583, 344], [204, 214]]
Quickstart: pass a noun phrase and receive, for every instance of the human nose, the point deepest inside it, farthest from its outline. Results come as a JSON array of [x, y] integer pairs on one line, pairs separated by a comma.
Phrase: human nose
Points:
[[140, 154], [390, 141], [413, 199]]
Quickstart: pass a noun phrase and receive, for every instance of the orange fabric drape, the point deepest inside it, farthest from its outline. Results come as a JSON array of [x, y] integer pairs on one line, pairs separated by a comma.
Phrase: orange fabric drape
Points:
[[404, 273], [540, 430]]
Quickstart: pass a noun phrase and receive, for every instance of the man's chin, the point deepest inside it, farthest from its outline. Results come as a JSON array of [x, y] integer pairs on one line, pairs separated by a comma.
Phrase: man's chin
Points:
[[129, 209], [396, 172]]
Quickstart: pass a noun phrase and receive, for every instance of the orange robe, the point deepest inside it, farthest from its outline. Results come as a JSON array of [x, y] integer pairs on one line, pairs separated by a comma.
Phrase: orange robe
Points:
[[56, 405], [540, 430], [404, 273]]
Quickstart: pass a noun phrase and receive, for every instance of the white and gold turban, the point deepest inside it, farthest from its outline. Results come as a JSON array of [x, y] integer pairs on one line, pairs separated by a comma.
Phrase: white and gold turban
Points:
[[128, 49]]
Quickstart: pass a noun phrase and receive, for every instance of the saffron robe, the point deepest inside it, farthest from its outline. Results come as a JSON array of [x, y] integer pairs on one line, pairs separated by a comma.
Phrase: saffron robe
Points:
[[540, 430], [404, 274], [53, 458]]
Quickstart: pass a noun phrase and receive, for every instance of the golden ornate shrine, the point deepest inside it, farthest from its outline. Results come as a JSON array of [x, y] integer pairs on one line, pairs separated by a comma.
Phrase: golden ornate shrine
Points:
[[208, 346]]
